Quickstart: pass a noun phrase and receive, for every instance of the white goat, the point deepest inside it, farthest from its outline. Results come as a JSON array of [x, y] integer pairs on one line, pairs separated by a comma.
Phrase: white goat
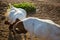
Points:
[[13, 14], [16, 13], [42, 28]]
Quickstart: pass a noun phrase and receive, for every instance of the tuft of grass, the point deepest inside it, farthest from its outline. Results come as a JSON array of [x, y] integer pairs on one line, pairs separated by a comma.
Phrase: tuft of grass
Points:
[[29, 7]]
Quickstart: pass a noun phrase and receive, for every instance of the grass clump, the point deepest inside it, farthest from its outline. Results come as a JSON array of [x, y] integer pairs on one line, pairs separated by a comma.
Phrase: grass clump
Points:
[[29, 7]]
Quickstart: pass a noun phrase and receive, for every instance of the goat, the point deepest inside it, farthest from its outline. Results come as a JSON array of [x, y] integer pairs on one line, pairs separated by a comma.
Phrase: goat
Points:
[[13, 14], [42, 28], [16, 13]]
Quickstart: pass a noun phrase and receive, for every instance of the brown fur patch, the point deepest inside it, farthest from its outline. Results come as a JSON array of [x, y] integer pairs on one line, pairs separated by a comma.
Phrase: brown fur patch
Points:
[[11, 25], [20, 27]]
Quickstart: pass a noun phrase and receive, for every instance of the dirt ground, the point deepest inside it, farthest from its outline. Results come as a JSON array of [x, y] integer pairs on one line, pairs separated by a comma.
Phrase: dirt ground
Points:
[[44, 10]]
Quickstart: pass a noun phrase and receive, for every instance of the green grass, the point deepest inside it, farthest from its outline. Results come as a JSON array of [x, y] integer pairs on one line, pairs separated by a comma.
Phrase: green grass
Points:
[[29, 7]]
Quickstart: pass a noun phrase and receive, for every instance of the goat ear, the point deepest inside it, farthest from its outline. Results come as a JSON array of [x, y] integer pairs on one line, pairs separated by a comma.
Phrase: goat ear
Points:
[[17, 20]]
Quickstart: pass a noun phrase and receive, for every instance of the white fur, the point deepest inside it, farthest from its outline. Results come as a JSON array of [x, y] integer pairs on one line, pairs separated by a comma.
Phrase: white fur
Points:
[[42, 28], [16, 13]]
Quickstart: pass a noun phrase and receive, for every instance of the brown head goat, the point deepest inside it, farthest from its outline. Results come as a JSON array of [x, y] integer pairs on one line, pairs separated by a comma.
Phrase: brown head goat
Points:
[[17, 31]]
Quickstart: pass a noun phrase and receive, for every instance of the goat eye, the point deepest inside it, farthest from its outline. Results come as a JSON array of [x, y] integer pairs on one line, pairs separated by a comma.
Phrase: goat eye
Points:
[[17, 28]]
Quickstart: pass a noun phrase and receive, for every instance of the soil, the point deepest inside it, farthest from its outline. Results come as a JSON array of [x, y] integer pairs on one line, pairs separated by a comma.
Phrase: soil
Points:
[[44, 10]]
